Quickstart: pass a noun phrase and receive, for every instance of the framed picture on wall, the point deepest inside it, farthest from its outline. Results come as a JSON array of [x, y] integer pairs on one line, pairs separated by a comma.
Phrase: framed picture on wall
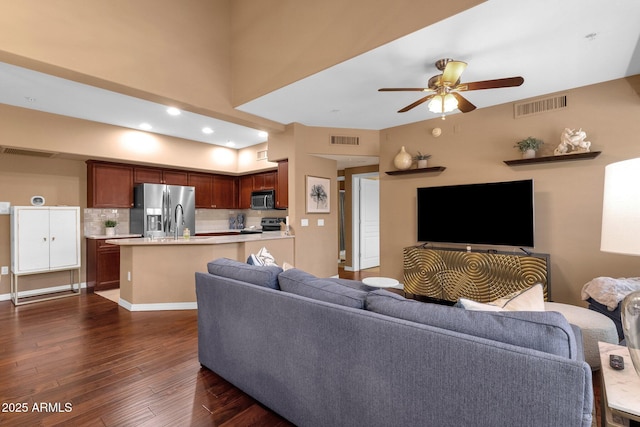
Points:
[[318, 194]]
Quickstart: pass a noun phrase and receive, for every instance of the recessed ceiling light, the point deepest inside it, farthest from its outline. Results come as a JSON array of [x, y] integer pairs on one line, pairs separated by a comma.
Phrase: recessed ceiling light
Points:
[[263, 134], [173, 111], [207, 130], [231, 144], [30, 99], [145, 126]]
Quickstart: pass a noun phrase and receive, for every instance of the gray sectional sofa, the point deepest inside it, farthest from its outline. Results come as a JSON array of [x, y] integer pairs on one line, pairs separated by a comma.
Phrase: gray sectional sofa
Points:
[[331, 352]]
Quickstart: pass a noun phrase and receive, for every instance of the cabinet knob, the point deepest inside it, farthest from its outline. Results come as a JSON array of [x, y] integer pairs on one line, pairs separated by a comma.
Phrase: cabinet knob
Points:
[[53, 239], [44, 239]]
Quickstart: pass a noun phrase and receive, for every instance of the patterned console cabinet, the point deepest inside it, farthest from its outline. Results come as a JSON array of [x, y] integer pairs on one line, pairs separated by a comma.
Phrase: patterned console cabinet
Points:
[[449, 274]]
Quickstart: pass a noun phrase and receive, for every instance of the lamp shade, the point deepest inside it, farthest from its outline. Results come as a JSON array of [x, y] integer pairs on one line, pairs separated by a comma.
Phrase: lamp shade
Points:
[[443, 103], [621, 208]]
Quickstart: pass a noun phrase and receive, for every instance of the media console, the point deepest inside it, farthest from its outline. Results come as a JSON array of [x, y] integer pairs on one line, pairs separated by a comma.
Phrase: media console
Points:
[[481, 275]]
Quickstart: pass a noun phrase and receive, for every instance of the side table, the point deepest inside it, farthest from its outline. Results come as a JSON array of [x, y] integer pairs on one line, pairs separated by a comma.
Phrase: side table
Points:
[[385, 282], [620, 389]]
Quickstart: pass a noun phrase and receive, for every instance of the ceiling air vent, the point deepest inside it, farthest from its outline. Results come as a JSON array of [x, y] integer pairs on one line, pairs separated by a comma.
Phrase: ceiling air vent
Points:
[[539, 106], [261, 155], [345, 140], [22, 152]]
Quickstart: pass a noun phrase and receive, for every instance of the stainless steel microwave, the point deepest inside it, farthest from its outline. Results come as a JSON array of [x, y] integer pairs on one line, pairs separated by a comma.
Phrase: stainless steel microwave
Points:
[[264, 199]]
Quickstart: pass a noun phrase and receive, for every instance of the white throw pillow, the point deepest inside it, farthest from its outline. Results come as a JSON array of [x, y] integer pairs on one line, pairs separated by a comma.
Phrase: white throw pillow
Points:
[[265, 257], [530, 299]]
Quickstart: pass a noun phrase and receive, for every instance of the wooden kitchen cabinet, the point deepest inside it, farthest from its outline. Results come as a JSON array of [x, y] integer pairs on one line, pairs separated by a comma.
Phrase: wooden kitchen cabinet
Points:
[[143, 175], [203, 183], [225, 192], [103, 265], [246, 187], [282, 185], [264, 181], [109, 185]]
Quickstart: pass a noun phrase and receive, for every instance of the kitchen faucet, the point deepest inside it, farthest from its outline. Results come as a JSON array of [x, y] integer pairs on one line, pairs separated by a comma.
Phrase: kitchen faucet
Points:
[[175, 213]]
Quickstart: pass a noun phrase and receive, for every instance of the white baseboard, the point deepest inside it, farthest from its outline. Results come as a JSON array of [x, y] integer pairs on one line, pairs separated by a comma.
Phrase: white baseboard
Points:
[[42, 291], [158, 306]]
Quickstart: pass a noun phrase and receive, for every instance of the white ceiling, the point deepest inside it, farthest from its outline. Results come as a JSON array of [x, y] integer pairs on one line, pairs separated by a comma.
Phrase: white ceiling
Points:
[[555, 45]]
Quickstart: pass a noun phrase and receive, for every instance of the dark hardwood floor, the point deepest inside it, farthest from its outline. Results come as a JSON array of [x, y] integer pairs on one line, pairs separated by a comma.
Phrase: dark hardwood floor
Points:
[[88, 362]]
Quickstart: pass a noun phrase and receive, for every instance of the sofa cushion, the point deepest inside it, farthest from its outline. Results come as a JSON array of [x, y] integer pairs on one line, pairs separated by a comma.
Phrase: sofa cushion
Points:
[[302, 283], [266, 276], [544, 331]]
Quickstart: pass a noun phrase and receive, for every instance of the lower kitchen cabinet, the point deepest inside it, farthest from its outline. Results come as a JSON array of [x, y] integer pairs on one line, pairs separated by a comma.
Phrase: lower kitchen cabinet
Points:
[[103, 265]]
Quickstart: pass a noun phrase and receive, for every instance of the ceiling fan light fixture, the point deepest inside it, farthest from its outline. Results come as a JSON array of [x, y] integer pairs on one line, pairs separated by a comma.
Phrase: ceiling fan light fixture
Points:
[[441, 104]]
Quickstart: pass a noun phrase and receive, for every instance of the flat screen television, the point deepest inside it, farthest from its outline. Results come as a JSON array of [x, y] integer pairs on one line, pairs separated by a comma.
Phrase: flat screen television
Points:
[[496, 213]]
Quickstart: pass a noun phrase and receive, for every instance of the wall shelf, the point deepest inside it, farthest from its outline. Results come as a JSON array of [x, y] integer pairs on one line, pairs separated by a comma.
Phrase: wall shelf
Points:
[[560, 158], [419, 170]]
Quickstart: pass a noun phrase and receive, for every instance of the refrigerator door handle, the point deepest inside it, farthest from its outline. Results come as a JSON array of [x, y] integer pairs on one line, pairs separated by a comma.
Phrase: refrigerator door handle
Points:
[[169, 225]]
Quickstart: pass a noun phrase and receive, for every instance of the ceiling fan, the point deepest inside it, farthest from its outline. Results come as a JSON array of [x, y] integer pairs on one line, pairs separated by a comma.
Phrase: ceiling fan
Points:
[[445, 88]]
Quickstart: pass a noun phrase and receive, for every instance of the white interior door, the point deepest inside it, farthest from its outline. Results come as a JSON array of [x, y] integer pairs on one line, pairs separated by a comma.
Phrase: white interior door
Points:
[[369, 223]]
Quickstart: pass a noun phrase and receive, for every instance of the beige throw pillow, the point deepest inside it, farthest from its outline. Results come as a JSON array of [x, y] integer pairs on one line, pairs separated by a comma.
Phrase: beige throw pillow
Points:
[[530, 299]]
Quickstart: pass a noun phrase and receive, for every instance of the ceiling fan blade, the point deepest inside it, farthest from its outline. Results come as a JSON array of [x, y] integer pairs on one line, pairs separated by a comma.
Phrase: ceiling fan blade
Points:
[[452, 72], [491, 84], [415, 104], [401, 89], [463, 105]]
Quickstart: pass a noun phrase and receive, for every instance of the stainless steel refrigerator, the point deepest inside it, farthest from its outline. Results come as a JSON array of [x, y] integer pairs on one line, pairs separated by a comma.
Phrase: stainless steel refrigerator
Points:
[[161, 210]]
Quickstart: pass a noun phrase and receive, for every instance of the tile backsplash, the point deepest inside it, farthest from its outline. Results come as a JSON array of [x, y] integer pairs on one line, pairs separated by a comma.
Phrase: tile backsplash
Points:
[[207, 220], [94, 221]]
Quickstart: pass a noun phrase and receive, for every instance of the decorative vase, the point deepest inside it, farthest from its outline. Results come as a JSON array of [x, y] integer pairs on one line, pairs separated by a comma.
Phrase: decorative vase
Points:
[[529, 154], [422, 163], [110, 231], [630, 310], [402, 160]]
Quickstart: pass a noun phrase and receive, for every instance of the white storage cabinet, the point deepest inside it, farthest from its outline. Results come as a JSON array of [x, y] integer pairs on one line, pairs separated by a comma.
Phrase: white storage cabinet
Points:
[[44, 239]]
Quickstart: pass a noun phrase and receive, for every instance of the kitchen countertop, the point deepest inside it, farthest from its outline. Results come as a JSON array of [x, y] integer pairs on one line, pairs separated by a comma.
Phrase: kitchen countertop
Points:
[[199, 240], [117, 236]]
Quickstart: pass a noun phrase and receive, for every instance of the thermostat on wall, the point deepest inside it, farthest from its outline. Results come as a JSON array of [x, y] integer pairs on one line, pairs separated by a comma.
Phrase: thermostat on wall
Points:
[[37, 200]]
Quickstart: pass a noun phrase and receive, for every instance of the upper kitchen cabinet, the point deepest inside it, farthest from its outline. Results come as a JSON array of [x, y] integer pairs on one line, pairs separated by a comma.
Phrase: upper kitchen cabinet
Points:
[[282, 185], [225, 192], [245, 183], [148, 175], [109, 185], [264, 180], [203, 183]]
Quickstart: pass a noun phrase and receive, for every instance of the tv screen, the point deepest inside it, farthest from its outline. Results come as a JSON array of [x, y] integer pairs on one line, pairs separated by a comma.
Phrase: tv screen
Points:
[[497, 213]]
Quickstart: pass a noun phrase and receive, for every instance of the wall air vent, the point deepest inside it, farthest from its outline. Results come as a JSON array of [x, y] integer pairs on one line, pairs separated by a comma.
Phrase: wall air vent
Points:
[[23, 152], [539, 106], [261, 155], [345, 140]]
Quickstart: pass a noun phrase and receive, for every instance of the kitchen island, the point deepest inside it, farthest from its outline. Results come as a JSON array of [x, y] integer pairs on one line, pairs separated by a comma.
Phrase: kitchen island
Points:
[[159, 274]]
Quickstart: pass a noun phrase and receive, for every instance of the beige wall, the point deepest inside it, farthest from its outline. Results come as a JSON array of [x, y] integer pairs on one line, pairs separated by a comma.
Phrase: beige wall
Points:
[[568, 195], [287, 40], [60, 181], [171, 52]]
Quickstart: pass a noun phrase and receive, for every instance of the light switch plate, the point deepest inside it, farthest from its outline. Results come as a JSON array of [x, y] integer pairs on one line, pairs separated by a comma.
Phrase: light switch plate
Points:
[[321, 223], [4, 208], [304, 222], [4, 270]]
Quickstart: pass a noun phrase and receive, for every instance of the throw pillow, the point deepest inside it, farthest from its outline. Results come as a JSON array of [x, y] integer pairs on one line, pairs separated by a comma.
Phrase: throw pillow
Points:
[[530, 299]]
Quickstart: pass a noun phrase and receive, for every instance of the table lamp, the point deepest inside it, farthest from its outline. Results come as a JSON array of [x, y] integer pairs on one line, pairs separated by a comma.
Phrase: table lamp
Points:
[[621, 234]]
